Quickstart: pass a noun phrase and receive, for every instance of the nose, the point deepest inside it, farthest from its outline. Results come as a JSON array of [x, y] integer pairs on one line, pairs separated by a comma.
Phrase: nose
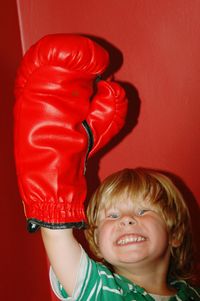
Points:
[[127, 221]]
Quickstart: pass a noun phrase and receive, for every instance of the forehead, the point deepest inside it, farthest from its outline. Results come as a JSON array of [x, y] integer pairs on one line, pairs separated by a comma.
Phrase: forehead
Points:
[[133, 202]]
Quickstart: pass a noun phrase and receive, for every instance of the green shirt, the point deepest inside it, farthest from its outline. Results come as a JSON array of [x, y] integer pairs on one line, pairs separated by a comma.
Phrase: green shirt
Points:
[[97, 283]]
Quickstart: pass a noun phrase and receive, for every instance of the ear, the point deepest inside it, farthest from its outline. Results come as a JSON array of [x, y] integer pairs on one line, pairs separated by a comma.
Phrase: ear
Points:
[[175, 241]]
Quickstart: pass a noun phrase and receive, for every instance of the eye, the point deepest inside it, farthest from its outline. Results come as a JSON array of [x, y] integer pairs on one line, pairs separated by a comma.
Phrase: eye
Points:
[[113, 215], [142, 211]]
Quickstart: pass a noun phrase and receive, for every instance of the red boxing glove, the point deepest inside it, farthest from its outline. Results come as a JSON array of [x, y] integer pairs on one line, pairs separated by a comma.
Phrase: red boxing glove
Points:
[[57, 125], [107, 113]]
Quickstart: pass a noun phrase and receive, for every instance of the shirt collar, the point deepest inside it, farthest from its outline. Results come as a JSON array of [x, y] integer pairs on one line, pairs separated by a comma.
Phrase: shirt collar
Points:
[[126, 286], [184, 291]]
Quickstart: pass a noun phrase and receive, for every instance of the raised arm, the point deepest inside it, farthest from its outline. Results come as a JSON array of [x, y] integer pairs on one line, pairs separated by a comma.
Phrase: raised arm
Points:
[[56, 127], [64, 254]]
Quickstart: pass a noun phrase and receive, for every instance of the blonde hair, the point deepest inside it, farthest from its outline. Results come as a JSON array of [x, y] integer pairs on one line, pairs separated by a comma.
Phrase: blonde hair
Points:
[[162, 193]]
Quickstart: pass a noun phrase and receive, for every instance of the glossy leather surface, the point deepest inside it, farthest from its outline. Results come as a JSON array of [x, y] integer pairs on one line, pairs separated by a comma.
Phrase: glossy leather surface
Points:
[[53, 91]]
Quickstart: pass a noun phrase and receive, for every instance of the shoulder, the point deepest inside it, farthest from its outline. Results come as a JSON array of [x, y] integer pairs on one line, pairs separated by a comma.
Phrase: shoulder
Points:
[[186, 290], [94, 281], [102, 280]]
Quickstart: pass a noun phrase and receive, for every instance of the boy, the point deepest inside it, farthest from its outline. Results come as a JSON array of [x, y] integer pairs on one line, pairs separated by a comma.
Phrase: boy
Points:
[[63, 115], [140, 226]]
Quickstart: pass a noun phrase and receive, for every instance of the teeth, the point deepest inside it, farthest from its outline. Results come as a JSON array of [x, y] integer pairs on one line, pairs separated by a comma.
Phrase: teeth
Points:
[[129, 239]]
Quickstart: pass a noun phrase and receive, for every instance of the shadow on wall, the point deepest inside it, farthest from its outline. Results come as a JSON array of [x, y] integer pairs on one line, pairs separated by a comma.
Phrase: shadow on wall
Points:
[[23, 261]]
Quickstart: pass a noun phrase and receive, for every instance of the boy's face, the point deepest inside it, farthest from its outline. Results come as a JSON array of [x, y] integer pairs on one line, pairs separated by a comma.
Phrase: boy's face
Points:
[[133, 234]]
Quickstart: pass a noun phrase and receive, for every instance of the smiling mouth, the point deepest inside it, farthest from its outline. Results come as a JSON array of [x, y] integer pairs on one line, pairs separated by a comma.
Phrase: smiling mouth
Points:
[[130, 239]]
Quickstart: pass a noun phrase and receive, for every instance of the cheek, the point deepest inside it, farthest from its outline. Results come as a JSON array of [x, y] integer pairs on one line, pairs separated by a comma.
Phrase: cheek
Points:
[[157, 228], [160, 233], [103, 236]]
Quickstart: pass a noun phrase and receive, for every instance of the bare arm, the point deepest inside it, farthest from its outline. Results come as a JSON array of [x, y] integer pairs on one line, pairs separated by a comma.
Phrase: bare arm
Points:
[[64, 253]]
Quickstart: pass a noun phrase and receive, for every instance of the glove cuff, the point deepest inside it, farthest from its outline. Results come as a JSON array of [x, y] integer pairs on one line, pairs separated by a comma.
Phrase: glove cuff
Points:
[[55, 216], [33, 225]]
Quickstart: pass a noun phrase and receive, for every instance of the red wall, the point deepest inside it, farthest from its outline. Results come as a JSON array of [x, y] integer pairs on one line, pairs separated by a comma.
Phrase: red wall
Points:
[[22, 276], [160, 44]]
